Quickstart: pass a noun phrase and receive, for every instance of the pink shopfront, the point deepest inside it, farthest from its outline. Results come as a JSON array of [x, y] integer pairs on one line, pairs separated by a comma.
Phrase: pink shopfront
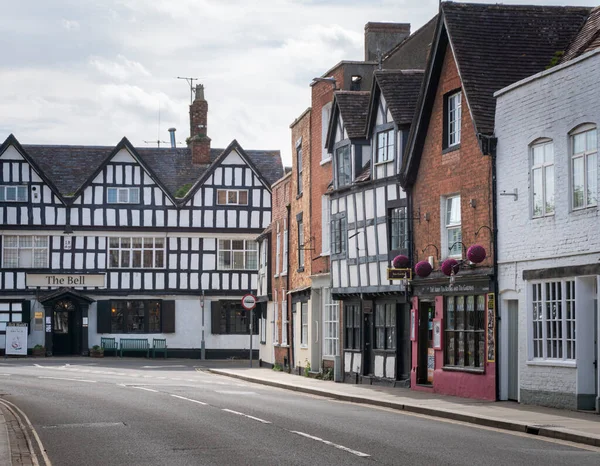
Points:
[[453, 337]]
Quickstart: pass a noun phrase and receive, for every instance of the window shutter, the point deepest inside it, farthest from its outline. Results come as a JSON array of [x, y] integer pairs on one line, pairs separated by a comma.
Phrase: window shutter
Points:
[[215, 317], [26, 314], [168, 316], [103, 316]]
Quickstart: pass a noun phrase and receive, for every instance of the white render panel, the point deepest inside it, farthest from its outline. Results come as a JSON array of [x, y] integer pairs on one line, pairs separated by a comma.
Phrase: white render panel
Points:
[[137, 177], [86, 217], [55, 242], [25, 173], [194, 261], [172, 218], [123, 217], [390, 367], [172, 280], [373, 277], [135, 218], [126, 280], [227, 176], [15, 171], [98, 193], [342, 204], [380, 198], [238, 176], [220, 219], [344, 275], [208, 197], [147, 196], [232, 219], [160, 281], [210, 244], [79, 243], [208, 262], [350, 216], [20, 281], [98, 217], [136, 280], [184, 218], [79, 261], [205, 278], [370, 241], [235, 281], [158, 197], [334, 206], [173, 261], [196, 218], [183, 281], [353, 275], [160, 218], [56, 260], [110, 177], [256, 197], [128, 175], [194, 281], [89, 258], [356, 363], [61, 215], [267, 199], [244, 219], [68, 260], [378, 369], [347, 362], [48, 196], [9, 280], [233, 159], [218, 175], [74, 216], [184, 261], [147, 217], [266, 219], [87, 195], [50, 216], [255, 219], [11, 153], [35, 178], [382, 238], [11, 215], [119, 175], [208, 218], [123, 156]]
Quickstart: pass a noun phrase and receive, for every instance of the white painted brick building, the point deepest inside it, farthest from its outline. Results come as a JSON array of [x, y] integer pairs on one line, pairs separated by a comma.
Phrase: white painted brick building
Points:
[[548, 241]]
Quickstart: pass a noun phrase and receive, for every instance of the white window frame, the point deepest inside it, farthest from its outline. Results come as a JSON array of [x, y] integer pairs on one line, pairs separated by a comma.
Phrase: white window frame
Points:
[[398, 228], [18, 193], [118, 245], [589, 175], [22, 247], [301, 251], [221, 248], [325, 226], [325, 116], [284, 319], [544, 169], [331, 325], [303, 324], [275, 320], [384, 149], [263, 329], [452, 223], [124, 195], [277, 252], [541, 318], [232, 196], [10, 311], [285, 259], [299, 164], [453, 119], [344, 169]]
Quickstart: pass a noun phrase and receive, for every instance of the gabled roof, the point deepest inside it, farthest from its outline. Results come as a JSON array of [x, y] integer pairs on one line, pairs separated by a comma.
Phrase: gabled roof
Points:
[[587, 39], [400, 89], [493, 46], [412, 52], [353, 107], [497, 45], [69, 168]]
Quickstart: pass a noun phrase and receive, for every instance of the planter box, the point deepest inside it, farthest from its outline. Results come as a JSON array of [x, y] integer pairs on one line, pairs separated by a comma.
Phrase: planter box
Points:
[[96, 354], [39, 353]]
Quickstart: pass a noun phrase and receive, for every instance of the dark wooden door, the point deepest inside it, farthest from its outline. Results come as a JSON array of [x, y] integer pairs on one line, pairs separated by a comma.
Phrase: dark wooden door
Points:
[[424, 340], [368, 339]]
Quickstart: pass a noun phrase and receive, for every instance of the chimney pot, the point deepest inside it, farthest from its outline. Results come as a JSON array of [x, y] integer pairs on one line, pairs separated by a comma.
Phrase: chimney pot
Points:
[[172, 134]]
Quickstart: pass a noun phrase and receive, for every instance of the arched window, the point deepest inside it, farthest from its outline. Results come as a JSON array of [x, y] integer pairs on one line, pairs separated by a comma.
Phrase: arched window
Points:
[[584, 166], [542, 178]]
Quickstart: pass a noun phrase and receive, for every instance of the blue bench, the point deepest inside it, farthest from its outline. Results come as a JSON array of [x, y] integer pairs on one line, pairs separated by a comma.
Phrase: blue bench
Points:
[[109, 344], [159, 344], [135, 344]]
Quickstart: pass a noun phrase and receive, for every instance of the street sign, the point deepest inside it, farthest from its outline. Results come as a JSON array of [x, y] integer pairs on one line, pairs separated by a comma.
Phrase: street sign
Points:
[[249, 301]]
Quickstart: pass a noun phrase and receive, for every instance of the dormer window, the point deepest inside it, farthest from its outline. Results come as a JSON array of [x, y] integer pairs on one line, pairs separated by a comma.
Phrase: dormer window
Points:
[[385, 146], [123, 195], [232, 197], [13, 193], [343, 166]]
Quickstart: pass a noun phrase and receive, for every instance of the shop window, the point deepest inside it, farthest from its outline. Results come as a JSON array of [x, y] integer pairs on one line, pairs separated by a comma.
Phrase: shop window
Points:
[[352, 326], [25, 252], [465, 332], [230, 318], [553, 320], [385, 326], [136, 253]]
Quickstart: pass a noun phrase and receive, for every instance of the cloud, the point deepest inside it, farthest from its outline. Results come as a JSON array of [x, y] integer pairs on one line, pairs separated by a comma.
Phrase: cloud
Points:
[[121, 69], [70, 25]]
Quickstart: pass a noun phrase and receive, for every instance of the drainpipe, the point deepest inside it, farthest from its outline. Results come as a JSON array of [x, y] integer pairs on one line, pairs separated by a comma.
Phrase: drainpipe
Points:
[[289, 301], [495, 247]]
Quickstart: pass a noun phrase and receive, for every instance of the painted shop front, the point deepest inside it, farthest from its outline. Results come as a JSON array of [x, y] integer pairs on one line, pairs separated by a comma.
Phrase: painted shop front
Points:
[[452, 329]]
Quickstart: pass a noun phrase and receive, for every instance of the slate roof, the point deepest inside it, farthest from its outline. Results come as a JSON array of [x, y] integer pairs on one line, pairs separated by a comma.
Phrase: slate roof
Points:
[[365, 175], [587, 39], [412, 52], [497, 45], [69, 167], [354, 108], [401, 92]]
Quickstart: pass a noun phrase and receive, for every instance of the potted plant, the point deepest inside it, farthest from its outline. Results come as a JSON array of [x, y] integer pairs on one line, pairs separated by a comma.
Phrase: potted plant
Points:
[[38, 351], [97, 352]]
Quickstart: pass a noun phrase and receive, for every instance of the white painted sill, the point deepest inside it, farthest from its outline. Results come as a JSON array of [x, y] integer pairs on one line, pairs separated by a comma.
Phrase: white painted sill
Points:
[[325, 161], [303, 346], [552, 363], [384, 162]]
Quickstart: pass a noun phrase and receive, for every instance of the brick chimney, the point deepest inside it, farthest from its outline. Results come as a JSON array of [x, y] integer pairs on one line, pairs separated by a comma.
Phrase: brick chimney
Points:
[[383, 37], [199, 142]]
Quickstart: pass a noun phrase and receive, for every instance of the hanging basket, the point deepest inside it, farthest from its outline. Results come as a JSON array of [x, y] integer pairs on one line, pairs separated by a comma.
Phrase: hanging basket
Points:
[[401, 262], [423, 269], [450, 266], [476, 254]]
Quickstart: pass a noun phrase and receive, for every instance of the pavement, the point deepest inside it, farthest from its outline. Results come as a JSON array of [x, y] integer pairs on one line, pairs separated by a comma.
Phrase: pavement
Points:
[[572, 426]]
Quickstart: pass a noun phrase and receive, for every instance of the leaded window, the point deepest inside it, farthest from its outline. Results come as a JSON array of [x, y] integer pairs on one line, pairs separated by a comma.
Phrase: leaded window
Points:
[[385, 326], [136, 252], [25, 252], [238, 254]]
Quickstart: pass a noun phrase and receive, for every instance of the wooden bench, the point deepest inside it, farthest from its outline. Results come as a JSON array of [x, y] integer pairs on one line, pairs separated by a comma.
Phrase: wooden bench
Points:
[[135, 344], [159, 344], [109, 344]]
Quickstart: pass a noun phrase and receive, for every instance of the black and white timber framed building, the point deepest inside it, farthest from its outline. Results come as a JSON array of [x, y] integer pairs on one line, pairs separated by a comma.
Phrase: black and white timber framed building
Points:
[[132, 242]]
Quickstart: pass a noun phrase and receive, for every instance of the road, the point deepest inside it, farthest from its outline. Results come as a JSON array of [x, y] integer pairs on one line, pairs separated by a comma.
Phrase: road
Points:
[[135, 411]]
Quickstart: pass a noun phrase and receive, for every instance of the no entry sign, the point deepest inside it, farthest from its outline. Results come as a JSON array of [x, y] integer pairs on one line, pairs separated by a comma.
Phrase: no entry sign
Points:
[[249, 301]]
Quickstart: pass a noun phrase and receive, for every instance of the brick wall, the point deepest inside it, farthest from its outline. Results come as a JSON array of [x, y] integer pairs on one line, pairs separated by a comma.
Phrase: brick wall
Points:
[[464, 171]]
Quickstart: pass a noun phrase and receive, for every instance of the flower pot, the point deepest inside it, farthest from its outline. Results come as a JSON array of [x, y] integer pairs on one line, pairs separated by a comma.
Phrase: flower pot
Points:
[[38, 352], [96, 354]]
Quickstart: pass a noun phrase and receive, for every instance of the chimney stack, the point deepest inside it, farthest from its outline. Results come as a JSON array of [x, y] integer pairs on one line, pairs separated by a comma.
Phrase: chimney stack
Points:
[[172, 134], [199, 142], [380, 38]]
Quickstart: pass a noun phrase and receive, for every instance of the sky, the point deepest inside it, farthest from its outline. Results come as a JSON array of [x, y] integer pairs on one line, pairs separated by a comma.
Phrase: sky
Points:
[[90, 72]]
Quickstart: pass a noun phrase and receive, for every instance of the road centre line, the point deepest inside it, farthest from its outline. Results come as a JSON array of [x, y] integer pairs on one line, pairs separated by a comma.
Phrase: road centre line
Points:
[[64, 378], [327, 442], [189, 399], [146, 389], [246, 415]]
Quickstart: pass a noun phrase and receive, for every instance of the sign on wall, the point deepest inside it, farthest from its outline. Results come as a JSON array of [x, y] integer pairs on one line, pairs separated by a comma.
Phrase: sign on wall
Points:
[[65, 280], [16, 338], [491, 328]]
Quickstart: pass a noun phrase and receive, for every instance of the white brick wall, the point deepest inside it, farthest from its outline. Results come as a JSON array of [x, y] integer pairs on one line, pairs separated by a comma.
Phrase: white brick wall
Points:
[[548, 106]]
